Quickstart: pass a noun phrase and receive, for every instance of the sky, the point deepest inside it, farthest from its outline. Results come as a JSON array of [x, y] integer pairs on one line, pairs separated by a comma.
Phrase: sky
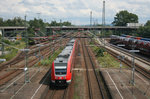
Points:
[[75, 11]]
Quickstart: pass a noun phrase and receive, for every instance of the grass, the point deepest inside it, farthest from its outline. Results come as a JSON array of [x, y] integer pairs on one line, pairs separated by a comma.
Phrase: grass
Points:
[[12, 52], [77, 87], [105, 59], [47, 62]]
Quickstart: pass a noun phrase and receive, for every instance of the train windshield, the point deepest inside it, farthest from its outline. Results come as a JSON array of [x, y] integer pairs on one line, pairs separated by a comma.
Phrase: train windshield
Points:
[[60, 71], [60, 68]]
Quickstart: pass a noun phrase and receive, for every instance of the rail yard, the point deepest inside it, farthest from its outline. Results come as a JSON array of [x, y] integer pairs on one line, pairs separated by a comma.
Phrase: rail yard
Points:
[[90, 79], [74, 49]]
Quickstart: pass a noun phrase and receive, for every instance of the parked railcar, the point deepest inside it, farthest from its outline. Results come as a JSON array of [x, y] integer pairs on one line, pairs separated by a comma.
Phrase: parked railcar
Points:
[[61, 71], [130, 42]]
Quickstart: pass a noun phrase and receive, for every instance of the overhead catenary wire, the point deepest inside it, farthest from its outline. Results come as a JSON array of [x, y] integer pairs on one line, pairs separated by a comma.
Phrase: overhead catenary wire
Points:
[[36, 44]]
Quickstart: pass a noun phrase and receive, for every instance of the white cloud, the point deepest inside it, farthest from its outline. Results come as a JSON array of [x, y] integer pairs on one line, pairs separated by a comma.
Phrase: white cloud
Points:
[[75, 10]]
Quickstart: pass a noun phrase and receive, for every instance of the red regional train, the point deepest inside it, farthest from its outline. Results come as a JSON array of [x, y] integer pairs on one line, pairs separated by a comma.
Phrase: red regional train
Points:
[[61, 71]]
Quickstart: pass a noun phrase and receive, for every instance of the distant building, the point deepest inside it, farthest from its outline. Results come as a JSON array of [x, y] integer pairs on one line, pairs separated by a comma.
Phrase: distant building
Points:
[[134, 24]]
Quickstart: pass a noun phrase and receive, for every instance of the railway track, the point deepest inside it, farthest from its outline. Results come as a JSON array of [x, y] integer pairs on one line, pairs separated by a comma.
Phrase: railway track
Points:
[[88, 77], [138, 68], [137, 57], [94, 86], [56, 94], [9, 75], [20, 57]]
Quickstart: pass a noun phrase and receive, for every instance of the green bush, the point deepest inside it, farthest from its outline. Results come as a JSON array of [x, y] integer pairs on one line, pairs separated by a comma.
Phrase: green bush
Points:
[[17, 43], [100, 52], [11, 54], [7, 41], [45, 62]]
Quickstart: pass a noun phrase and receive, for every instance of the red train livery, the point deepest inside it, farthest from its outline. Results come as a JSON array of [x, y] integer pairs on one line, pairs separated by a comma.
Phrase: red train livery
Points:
[[61, 71]]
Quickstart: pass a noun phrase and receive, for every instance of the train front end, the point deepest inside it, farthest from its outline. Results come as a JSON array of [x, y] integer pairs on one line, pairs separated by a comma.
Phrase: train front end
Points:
[[59, 75]]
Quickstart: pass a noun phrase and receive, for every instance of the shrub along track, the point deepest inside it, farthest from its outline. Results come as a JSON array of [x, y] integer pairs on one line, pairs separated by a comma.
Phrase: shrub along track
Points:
[[95, 87], [45, 52]]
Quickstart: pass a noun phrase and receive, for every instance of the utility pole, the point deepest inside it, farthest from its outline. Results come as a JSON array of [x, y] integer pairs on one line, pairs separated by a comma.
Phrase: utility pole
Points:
[[103, 21], [2, 39], [103, 14], [91, 18], [26, 55], [133, 67], [38, 15]]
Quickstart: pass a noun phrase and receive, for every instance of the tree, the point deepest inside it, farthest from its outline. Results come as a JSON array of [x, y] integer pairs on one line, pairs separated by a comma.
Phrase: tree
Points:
[[1, 22], [66, 23], [36, 25], [124, 17], [147, 23], [144, 31]]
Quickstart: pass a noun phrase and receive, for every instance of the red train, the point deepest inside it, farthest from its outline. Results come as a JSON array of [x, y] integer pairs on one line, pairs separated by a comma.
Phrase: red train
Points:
[[61, 71]]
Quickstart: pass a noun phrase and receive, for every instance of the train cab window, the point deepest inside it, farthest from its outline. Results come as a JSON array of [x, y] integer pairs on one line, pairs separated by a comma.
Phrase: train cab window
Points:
[[60, 71]]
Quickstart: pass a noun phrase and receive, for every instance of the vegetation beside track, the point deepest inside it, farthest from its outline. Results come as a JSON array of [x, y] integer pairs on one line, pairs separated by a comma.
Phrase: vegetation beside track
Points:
[[48, 61], [77, 86], [12, 52], [105, 59]]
